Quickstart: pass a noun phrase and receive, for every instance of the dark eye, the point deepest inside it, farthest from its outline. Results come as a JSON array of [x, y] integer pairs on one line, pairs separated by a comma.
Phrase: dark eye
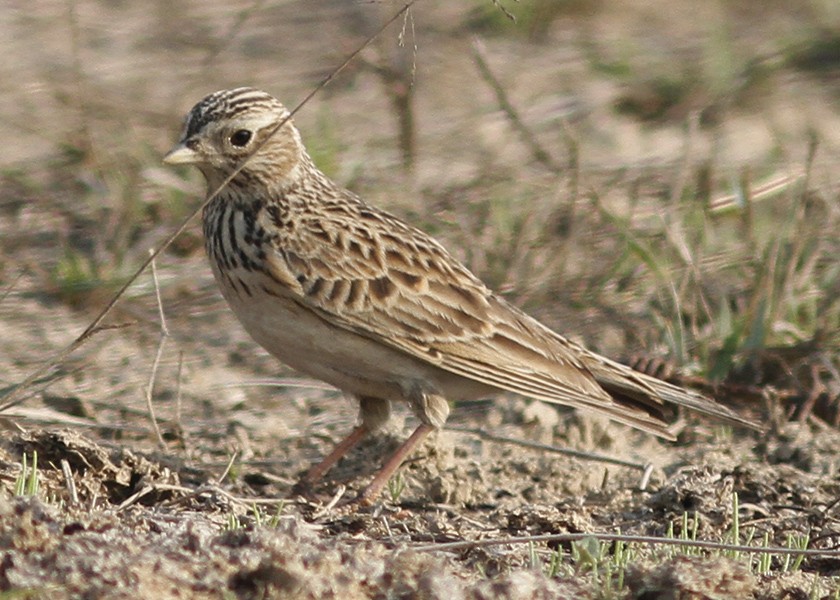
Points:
[[240, 138]]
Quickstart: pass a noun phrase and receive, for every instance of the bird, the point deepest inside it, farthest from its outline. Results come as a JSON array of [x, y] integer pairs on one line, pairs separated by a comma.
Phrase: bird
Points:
[[349, 294]]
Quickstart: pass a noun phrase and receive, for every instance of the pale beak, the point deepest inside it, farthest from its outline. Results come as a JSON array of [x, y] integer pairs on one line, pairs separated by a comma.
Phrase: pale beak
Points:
[[181, 155]]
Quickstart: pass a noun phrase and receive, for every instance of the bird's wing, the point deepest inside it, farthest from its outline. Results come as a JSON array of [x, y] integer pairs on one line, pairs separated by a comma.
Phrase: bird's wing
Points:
[[371, 273]]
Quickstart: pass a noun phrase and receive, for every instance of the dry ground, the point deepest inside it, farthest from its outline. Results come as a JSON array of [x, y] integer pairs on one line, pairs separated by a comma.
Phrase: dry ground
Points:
[[607, 217]]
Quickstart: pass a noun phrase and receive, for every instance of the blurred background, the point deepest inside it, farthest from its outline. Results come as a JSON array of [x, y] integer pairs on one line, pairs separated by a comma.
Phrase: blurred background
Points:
[[654, 178]]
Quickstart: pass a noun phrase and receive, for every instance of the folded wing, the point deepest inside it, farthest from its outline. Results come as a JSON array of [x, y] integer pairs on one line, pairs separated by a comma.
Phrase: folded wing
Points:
[[375, 275]]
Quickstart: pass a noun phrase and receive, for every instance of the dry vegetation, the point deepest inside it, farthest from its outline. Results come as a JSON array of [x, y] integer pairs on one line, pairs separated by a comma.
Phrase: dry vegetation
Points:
[[656, 180]]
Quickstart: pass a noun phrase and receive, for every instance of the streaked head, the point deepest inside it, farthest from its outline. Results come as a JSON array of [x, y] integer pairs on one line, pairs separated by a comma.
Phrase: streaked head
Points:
[[226, 127]]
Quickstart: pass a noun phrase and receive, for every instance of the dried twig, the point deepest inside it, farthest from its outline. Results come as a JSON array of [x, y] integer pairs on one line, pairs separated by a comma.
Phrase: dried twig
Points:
[[69, 482], [214, 489], [286, 382], [143, 491], [179, 427], [397, 75], [164, 334], [549, 448], [618, 537], [539, 153], [498, 4], [79, 78], [229, 35], [339, 493], [229, 466]]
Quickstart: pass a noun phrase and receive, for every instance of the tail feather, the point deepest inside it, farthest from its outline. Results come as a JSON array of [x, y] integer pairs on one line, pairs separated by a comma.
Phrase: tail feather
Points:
[[651, 394]]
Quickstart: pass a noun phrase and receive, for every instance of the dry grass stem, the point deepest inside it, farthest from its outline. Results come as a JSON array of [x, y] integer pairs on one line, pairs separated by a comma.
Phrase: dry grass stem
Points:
[[539, 152], [164, 335], [637, 539]]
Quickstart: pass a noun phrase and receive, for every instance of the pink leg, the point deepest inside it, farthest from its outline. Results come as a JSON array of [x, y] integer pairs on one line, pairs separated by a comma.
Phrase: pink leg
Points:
[[370, 493], [317, 471]]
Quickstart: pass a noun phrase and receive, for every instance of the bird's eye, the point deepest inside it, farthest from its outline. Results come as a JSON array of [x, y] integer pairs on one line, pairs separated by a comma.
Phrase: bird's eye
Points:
[[240, 138]]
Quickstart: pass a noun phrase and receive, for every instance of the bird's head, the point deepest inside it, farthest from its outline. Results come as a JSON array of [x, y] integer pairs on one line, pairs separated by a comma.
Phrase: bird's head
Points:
[[230, 128]]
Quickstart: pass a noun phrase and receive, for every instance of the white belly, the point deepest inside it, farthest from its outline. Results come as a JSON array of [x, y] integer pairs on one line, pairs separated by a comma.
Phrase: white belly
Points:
[[351, 362]]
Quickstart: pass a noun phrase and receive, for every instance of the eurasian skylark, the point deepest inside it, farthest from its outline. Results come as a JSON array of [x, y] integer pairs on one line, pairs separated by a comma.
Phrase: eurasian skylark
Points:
[[352, 295]]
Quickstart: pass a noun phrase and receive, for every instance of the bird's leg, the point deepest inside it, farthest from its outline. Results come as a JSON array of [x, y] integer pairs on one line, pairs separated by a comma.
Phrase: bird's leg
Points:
[[432, 409], [374, 412], [370, 493], [319, 469]]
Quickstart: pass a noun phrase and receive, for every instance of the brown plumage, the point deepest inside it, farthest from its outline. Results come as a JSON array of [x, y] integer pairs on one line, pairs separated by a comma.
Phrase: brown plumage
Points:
[[347, 293]]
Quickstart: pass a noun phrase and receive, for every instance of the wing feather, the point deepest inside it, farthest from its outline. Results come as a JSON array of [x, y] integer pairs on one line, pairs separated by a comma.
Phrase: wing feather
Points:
[[382, 278]]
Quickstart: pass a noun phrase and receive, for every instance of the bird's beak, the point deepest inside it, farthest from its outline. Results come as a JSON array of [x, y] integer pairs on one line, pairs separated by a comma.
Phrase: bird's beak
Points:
[[181, 155]]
